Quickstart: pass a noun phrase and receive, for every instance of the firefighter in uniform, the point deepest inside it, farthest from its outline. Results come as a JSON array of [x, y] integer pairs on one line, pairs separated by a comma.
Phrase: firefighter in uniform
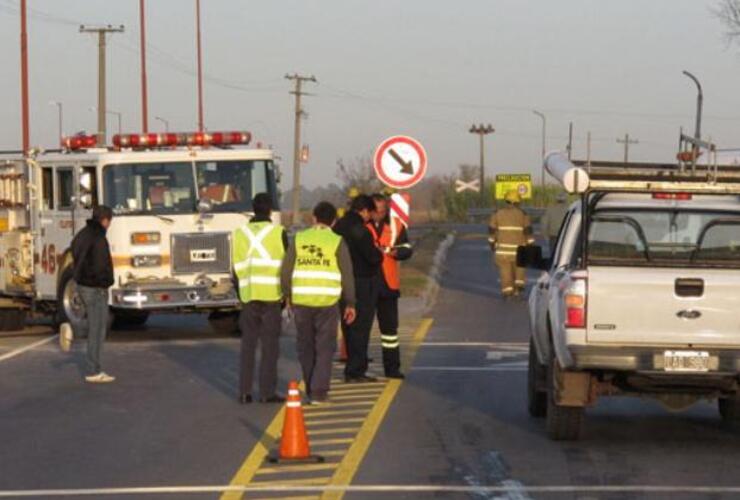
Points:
[[387, 305], [509, 229], [259, 248]]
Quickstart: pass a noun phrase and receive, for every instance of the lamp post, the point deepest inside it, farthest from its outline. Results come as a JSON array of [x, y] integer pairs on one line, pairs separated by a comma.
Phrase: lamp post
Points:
[[117, 114], [166, 123], [482, 131], [544, 143], [60, 117]]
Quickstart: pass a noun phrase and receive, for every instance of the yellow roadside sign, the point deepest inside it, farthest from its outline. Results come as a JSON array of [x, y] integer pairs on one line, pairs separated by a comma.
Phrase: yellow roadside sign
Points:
[[521, 183]]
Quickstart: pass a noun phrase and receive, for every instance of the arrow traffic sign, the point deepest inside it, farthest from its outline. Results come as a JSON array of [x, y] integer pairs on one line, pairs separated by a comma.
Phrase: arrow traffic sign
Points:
[[400, 162], [461, 185]]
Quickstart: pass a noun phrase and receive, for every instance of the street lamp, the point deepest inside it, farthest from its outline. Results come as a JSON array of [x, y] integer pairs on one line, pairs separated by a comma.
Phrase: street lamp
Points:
[[165, 122], [482, 131], [699, 105], [60, 113], [117, 114], [544, 142]]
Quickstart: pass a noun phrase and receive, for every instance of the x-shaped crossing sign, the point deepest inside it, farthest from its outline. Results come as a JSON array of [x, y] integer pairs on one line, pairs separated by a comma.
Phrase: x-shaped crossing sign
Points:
[[461, 185]]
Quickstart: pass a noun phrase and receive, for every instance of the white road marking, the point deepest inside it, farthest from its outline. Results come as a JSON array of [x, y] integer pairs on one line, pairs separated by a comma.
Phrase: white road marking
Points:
[[499, 355], [21, 350], [377, 488], [501, 367], [522, 345]]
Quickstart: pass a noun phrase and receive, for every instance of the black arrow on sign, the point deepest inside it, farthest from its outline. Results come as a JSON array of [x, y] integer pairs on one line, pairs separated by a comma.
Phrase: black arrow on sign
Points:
[[406, 166]]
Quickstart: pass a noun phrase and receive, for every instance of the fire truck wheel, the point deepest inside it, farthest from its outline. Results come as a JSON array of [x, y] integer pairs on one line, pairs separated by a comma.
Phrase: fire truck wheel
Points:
[[124, 319], [70, 307], [225, 322], [12, 319]]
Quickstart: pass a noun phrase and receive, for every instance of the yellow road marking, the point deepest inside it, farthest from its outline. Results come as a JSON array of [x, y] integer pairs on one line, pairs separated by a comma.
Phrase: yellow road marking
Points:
[[348, 467], [323, 432], [309, 409], [352, 397], [281, 482], [295, 468], [359, 390], [329, 413], [320, 442], [319, 421]]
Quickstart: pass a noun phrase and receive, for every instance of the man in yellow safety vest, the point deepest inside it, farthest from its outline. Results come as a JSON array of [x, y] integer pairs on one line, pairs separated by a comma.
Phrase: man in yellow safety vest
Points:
[[316, 274], [510, 228], [259, 248]]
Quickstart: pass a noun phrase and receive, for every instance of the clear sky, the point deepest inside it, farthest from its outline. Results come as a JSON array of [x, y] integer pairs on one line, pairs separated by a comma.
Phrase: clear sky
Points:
[[425, 68]]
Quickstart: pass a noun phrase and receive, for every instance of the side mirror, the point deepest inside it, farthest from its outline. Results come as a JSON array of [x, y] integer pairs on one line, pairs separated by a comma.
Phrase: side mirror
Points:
[[530, 256], [86, 201]]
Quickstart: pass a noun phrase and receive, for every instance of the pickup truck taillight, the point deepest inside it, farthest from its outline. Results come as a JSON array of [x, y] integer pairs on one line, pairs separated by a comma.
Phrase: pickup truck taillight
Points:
[[575, 304]]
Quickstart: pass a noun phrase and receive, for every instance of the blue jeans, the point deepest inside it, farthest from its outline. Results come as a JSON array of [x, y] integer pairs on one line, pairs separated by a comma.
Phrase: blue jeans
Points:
[[96, 324]]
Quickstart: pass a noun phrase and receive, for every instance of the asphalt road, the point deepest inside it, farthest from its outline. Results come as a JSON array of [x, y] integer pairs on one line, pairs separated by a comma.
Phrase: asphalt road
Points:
[[458, 420]]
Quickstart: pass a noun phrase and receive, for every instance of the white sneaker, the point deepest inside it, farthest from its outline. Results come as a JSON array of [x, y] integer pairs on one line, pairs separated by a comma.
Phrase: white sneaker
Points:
[[65, 337], [100, 378]]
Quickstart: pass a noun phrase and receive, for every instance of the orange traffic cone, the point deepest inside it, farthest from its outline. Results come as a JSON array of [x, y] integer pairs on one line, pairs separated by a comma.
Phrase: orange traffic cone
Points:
[[294, 441]]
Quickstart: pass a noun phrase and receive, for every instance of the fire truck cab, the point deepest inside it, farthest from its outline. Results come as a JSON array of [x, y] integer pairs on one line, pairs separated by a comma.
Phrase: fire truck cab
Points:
[[177, 198]]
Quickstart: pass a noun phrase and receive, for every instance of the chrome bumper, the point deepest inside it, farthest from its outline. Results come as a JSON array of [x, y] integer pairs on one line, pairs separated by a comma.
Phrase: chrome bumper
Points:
[[162, 296], [647, 359]]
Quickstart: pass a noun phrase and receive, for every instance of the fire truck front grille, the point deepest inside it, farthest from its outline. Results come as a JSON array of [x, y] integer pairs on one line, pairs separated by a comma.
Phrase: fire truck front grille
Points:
[[201, 253]]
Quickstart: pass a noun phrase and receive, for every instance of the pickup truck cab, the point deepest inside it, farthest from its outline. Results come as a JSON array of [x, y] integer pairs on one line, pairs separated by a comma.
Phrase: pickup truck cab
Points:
[[641, 295]]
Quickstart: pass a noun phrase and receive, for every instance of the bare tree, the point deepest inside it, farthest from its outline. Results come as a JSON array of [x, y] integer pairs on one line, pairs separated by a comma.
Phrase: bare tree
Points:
[[359, 174], [728, 12]]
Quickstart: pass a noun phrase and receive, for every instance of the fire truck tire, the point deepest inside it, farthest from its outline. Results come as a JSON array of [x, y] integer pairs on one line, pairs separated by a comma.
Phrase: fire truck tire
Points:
[[12, 319], [70, 308], [124, 319], [224, 322]]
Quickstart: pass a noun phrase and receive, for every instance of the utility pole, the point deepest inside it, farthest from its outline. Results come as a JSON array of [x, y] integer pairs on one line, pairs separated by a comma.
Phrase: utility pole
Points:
[[102, 32], [25, 127], [297, 92], [201, 125], [570, 141], [144, 92], [482, 131], [544, 143], [627, 141]]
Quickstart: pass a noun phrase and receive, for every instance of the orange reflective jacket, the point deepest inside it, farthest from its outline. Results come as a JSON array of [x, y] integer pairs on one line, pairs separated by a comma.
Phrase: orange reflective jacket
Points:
[[390, 265]]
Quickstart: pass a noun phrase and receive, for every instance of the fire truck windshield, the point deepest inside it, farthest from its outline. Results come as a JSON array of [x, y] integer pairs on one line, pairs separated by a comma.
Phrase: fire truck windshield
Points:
[[169, 187]]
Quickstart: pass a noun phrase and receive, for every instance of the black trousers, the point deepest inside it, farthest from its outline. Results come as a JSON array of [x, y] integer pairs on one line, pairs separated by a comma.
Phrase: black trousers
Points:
[[387, 312], [357, 335], [316, 343], [260, 322]]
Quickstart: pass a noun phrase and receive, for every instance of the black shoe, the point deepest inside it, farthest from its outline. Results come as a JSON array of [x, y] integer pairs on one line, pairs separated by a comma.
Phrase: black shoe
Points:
[[396, 375], [276, 398], [245, 399]]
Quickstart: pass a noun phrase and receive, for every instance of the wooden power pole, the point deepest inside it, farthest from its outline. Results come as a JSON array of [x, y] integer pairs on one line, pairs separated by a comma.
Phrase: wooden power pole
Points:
[[102, 32], [297, 92]]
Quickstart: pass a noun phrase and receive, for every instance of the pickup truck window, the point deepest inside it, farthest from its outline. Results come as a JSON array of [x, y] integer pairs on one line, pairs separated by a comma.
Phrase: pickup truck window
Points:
[[664, 237]]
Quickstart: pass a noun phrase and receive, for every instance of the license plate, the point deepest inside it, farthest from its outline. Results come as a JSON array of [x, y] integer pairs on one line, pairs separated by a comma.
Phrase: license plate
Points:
[[206, 255], [686, 361]]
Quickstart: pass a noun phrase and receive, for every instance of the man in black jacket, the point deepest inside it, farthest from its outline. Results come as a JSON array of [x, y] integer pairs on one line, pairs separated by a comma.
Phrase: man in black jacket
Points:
[[366, 261], [93, 274]]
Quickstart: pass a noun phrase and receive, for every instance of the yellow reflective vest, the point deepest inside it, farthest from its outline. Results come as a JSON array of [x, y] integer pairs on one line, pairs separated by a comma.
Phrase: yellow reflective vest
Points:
[[258, 253], [316, 280]]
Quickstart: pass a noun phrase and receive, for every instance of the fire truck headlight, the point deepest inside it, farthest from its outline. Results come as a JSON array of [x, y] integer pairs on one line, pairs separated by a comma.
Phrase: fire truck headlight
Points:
[[146, 261], [145, 238]]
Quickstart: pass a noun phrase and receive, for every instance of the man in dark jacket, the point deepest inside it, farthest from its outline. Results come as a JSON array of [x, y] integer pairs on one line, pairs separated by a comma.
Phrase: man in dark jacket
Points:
[[366, 261], [93, 274]]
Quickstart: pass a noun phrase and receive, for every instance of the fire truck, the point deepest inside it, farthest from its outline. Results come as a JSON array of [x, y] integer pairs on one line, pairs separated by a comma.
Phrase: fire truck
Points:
[[176, 197]]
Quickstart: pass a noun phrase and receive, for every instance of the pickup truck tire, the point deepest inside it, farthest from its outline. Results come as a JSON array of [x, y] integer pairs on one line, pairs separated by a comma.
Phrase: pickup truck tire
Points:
[[564, 423], [729, 409], [224, 322], [536, 384]]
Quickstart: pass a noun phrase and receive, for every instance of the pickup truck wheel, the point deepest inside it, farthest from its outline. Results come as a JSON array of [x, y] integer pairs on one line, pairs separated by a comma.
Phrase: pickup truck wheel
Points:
[[729, 409], [224, 322], [536, 385], [564, 423]]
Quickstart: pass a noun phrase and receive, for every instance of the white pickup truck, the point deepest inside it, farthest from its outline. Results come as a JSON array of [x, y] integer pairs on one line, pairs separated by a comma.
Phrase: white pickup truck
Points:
[[641, 295]]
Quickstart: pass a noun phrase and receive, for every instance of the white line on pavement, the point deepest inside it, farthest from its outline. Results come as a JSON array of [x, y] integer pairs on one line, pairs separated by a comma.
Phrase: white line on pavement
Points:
[[476, 344], [378, 488], [25, 348]]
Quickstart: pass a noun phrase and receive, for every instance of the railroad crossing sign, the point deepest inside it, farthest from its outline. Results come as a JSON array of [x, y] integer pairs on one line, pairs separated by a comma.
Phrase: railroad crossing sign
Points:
[[522, 183], [400, 162], [461, 185]]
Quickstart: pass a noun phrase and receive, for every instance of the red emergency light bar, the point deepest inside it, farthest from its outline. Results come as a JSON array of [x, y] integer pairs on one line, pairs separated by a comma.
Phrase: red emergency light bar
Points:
[[672, 196], [169, 139], [76, 142]]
